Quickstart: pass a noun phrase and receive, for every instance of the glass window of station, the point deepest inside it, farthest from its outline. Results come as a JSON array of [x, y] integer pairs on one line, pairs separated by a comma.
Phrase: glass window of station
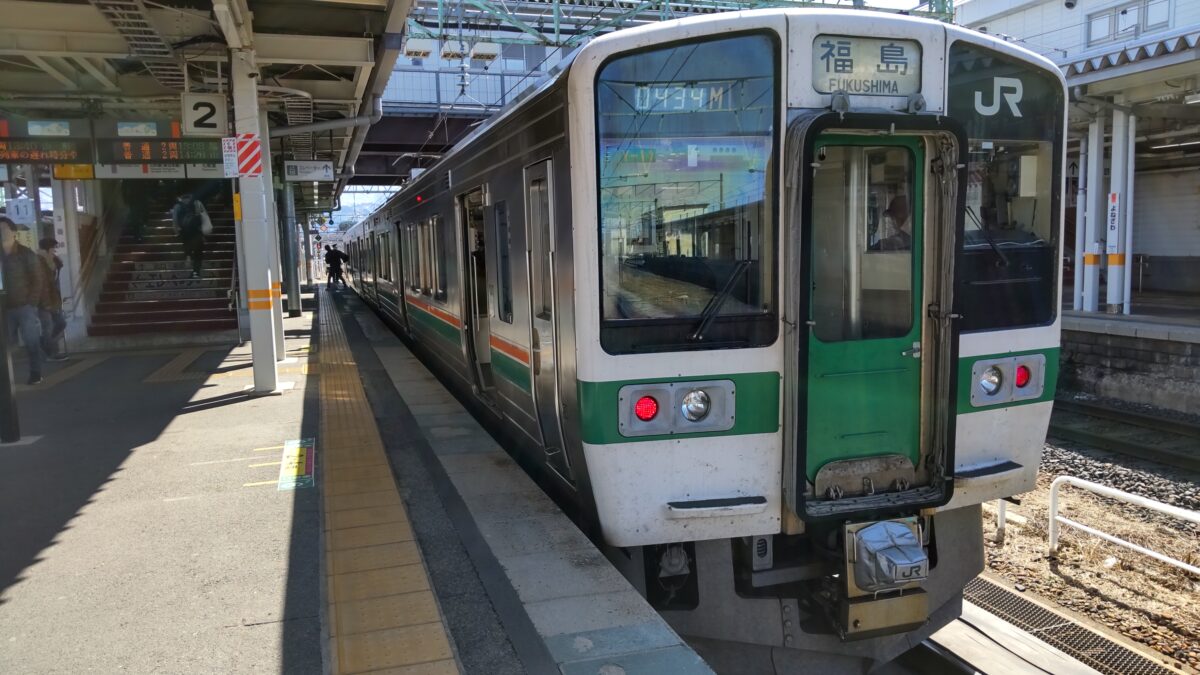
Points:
[[687, 144], [1013, 114]]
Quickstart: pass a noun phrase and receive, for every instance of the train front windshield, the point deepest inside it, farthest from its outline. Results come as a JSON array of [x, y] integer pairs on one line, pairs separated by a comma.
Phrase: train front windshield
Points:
[[1013, 114], [687, 145]]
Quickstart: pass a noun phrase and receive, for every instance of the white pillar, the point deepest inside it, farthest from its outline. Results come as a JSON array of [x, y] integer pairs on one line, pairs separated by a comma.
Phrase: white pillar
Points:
[[1114, 233], [256, 227], [1129, 271], [273, 225], [1095, 211], [1081, 201]]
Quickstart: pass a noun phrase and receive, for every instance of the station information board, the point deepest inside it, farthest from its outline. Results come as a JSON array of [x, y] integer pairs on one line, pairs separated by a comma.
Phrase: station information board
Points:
[[46, 150], [158, 151]]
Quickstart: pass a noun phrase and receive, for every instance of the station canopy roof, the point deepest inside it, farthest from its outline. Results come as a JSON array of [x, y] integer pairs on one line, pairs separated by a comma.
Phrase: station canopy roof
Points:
[[125, 59]]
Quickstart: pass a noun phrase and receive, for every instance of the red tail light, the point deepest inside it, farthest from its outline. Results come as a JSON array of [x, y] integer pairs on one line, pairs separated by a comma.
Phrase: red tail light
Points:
[[1022, 377], [645, 408]]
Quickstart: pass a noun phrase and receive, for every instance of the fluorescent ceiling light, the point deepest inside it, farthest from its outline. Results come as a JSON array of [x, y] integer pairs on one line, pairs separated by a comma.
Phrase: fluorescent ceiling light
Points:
[[1191, 98]]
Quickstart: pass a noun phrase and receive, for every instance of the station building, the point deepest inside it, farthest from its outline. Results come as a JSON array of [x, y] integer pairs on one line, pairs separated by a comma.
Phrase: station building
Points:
[[1131, 278]]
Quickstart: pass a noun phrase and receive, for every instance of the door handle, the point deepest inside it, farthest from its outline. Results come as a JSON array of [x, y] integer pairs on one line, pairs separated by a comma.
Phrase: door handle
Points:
[[915, 352]]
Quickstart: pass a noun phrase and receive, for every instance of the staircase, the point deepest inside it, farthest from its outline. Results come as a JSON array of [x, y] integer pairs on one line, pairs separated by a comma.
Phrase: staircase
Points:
[[149, 289]]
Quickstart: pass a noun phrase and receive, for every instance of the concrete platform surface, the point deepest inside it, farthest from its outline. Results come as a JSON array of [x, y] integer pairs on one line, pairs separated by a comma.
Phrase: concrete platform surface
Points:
[[142, 526]]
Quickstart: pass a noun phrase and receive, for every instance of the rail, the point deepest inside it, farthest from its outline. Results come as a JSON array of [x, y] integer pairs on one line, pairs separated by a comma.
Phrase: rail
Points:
[[1120, 495]]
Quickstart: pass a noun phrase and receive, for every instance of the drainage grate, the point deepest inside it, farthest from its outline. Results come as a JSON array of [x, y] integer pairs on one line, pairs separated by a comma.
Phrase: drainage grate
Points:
[[1081, 643]]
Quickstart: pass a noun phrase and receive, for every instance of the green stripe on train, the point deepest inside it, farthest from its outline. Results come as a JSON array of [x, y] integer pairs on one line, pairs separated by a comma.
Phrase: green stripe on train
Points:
[[965, 364], [439, 327], [756, 407], [510, 369]]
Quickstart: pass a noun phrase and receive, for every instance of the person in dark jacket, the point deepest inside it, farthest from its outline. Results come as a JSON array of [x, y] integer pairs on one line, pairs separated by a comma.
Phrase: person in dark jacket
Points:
[[54, 323], [24, 289], [188, 216], [334, 259]]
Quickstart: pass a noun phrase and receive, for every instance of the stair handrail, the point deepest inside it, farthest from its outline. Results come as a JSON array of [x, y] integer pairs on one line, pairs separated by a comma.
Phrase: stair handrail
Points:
[[232, 293]]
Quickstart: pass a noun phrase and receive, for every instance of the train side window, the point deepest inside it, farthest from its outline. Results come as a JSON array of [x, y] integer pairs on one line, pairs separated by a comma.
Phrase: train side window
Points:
[[414, 260], [383, 257], [423, 251], [539, 231], [440, 235], [503, 261]]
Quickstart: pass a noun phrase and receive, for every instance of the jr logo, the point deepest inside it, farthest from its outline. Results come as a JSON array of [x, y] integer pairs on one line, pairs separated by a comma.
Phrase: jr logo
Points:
[[1008, 87]]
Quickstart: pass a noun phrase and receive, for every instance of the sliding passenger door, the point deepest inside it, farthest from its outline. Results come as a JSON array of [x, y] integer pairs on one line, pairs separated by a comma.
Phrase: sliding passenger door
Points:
[[476, 306], [539, 237]]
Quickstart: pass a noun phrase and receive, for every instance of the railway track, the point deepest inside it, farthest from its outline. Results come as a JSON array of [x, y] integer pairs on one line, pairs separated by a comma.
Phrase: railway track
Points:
[[1146, 436]]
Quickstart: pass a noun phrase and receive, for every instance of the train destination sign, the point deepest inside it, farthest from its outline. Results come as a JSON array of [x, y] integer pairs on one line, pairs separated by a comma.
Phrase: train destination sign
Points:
[[866, 66], [153, 151]]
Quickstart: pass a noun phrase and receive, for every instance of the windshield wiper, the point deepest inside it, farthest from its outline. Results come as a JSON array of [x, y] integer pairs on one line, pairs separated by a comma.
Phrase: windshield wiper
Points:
[[988, 236], [714, 305]]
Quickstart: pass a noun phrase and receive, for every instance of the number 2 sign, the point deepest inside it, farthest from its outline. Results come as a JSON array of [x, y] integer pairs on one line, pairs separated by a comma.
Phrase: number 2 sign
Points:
[[205, 115]]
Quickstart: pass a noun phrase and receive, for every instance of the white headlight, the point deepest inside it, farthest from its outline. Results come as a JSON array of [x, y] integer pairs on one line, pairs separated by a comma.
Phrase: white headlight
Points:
[[695, 405], [991, 381]]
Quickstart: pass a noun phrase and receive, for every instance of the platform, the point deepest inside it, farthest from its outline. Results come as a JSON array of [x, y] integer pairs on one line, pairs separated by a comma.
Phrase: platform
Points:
[[158, 517]]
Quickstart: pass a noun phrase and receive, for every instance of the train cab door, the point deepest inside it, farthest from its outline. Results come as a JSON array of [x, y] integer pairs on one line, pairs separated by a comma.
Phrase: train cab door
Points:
[[539, 238], [476, 304], [864, 374]]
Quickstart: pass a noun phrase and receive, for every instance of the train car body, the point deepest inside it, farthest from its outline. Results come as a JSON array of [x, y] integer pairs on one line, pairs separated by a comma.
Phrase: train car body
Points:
[[767, 298]]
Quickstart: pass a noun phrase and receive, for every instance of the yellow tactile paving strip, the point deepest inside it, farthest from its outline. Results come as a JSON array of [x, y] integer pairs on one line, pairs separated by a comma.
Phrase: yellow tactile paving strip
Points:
[[382, 613]]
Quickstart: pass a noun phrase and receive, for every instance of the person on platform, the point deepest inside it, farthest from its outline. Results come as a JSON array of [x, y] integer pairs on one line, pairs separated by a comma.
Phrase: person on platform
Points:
[[54, 323], [24, 286], [190, 217], [333, 261]]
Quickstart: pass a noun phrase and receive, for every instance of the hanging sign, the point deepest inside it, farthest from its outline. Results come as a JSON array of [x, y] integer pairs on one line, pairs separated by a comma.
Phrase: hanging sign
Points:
[[321, 171], [205, 114], [3, 173], [74, 172]]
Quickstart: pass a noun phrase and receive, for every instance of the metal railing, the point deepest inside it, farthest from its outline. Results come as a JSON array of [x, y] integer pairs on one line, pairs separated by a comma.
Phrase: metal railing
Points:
[[1113, 493]]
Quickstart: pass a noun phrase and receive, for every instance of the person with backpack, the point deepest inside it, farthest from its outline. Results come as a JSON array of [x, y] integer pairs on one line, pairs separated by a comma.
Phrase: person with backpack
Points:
[[54, 323], [192, 224], [334, 259]]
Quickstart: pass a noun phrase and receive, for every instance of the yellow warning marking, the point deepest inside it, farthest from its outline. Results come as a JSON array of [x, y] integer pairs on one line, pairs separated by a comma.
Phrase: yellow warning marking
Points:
[[174, 369], [255, 466], [59, 376], [222, 461], [268, 449], [258, 304], [237, 206], [261, 482], [382, 613]]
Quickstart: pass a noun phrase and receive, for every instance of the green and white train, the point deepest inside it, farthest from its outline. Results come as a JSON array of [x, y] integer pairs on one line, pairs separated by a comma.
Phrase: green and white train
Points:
[[767, 299]]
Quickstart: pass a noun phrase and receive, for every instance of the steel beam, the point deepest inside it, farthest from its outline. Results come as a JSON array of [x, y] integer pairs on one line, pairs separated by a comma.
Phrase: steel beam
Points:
[[53, 72]]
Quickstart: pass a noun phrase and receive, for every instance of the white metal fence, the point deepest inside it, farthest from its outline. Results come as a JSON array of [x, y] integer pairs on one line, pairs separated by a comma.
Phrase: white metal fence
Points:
[[1113, 493]]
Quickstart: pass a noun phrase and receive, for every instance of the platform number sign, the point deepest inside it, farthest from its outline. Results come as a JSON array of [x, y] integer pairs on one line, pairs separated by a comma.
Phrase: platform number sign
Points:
[[205, 114]]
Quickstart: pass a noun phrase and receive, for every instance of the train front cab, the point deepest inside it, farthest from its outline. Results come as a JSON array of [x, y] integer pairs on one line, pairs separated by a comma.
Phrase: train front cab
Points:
[[826, 319]]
